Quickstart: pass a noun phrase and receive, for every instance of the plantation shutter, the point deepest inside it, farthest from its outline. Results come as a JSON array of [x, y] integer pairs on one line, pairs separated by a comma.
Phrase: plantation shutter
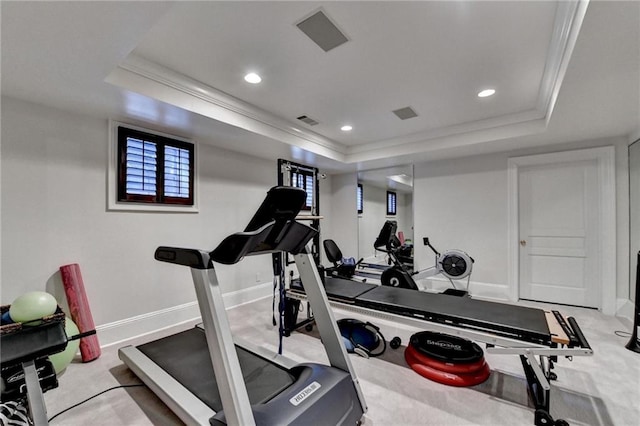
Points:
[[176, 172], [391, 203], [141, 167]]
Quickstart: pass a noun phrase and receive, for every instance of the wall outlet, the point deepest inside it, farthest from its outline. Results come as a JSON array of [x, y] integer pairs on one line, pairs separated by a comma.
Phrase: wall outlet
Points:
[[257, 277]]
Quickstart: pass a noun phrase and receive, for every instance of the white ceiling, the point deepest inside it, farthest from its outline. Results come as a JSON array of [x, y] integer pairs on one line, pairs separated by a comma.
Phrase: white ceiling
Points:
[[563, 72]]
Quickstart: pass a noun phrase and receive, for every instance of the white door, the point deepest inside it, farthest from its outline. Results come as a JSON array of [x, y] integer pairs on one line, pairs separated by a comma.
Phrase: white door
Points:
[[559, 241]]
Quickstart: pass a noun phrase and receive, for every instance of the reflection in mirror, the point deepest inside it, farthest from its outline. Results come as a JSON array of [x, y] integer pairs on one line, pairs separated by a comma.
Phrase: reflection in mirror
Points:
[[634, 214], [375, 186]]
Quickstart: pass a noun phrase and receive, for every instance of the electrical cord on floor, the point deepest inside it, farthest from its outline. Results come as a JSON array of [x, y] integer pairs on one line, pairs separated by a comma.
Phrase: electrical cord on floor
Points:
[[91, 397], [621, 333]]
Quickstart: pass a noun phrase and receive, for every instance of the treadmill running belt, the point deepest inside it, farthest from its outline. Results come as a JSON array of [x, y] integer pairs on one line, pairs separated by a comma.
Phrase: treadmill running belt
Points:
[[501, 318], [185, 357]]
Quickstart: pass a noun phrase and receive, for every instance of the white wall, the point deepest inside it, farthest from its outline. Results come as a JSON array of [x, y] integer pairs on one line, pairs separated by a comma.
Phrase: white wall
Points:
[[634, 209], [54, 212], [462, 203], [325, 211]]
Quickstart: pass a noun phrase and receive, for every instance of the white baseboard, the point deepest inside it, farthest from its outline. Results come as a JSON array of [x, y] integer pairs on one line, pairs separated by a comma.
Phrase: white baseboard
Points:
[[625, 309], [479, 290], [119, 331]]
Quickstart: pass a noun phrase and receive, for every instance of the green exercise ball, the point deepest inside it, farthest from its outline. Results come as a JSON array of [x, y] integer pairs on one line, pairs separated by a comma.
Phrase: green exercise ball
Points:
[[32, 306], [62, 359]]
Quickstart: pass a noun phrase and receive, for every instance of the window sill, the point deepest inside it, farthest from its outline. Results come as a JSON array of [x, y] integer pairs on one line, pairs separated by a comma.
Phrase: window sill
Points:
[[153, 208]]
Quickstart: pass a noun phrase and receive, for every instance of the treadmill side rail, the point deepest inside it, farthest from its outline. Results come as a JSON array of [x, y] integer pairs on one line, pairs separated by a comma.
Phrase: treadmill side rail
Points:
[[183, 403], [182, 256], [325, 320], [226, 366]]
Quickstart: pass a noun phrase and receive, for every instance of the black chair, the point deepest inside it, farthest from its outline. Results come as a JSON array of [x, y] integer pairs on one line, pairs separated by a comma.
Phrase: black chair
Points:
[[334, 255]]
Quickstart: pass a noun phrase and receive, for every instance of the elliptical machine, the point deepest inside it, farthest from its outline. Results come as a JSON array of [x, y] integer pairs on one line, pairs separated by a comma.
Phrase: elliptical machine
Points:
[[453, 264]]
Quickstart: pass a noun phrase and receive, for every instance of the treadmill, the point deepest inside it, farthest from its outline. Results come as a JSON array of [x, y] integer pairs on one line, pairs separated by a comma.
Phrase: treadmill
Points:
[[206, 378]]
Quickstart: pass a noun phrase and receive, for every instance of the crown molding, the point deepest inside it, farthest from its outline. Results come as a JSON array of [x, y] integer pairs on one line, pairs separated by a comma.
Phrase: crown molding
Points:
[[567, 24], [448, 141], [511, 121], [151, 79]]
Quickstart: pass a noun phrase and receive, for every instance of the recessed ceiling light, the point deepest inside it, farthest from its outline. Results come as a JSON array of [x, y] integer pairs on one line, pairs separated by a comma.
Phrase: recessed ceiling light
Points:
[[346, 128], [252, 78], [486, 92]]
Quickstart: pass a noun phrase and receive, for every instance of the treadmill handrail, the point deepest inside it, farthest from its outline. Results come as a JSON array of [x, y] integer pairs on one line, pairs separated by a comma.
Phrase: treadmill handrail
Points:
[[281, 204], [290, 237], [183, 256]]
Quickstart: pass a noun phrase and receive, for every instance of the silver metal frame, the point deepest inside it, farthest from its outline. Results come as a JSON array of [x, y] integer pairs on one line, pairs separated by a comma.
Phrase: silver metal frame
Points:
[[326, 321], [507, 345], [226, 366], [183, 403], [221, 344], [35, 398]]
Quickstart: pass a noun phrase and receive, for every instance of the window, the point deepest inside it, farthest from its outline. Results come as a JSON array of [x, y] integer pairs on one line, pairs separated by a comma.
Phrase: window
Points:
[[391, 203], [304, 179], [359, 200], [154, 169]]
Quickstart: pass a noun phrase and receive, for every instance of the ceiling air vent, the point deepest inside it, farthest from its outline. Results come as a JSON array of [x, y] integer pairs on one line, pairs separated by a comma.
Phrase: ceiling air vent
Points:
[[307, 120], [319, 28], [405, 113]]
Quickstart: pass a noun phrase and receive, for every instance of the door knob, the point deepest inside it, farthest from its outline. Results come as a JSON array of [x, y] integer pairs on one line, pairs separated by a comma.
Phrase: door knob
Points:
[[523, 243]]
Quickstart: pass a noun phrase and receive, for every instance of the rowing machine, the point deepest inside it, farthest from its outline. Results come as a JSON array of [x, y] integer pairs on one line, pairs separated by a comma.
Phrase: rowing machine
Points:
[[453, 264]]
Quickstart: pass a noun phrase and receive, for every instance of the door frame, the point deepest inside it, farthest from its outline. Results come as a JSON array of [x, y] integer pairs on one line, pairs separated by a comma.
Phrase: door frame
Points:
[[605, 159]]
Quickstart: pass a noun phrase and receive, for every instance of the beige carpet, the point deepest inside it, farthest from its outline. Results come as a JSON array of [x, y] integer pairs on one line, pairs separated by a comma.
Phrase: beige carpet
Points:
[[600, 390]]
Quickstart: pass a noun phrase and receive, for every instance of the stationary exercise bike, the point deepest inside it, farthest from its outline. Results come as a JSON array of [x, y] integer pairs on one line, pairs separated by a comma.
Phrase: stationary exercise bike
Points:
[[453, 264], [342, 267]]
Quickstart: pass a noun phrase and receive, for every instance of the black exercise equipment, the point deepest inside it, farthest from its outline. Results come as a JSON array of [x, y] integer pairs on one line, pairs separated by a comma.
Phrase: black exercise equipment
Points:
[[504, 328], [446, 348], [340, 268], [453, 264], [634, 344], [395, 342], [205, 375], [25, 368], [362, 338]]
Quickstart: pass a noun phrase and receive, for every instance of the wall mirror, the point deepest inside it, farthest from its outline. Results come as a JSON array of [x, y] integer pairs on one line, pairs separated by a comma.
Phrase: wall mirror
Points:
[[377, 188], [634, 214]]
